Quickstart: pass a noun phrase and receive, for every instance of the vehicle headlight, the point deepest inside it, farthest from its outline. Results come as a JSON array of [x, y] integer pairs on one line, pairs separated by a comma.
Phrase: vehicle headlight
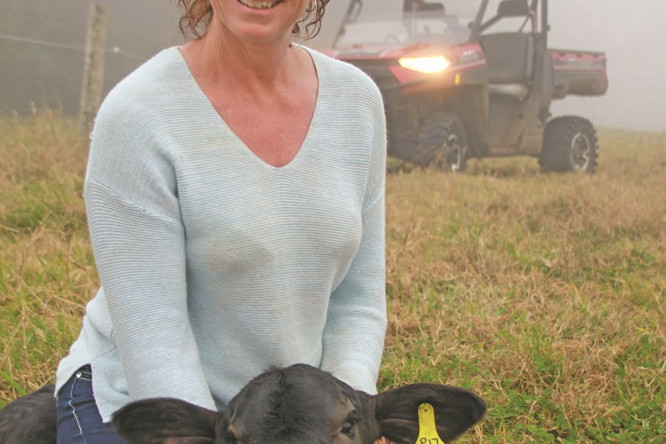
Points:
[[426, 65]]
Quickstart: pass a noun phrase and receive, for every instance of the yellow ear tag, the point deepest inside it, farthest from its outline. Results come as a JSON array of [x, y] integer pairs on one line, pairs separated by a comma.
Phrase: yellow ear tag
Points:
[[427, 430]]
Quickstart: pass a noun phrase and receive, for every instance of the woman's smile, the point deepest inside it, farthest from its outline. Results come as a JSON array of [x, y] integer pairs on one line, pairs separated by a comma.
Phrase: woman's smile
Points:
[[259, 4], [256, 22]]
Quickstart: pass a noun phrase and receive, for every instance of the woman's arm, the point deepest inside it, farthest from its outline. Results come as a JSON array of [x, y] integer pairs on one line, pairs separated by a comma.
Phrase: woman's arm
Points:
[[138, 241], [356, 322]]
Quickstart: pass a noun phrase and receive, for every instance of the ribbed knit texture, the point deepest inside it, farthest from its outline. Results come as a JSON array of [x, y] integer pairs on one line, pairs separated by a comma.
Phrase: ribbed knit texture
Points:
[[216, 265]]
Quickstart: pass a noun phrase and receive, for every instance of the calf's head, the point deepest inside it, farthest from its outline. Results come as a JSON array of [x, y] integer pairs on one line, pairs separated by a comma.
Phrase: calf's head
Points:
[[301, 405]]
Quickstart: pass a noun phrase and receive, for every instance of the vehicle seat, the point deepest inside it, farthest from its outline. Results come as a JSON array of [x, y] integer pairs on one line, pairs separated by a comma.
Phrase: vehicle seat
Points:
[[509, 58]]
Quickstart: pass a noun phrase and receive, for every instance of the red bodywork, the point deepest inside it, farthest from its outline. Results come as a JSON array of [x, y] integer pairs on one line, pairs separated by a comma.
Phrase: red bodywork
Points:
[[578, 73], [463, 58]]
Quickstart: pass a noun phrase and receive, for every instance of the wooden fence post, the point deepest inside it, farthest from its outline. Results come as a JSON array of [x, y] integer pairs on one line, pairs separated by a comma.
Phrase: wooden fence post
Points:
[[93, 67]]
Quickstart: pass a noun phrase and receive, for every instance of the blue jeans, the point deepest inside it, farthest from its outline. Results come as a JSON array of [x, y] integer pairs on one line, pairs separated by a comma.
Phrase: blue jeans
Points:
[[79, 421]]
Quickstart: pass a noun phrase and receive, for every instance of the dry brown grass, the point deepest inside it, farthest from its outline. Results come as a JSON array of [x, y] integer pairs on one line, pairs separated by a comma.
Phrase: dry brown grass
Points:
[[46, 268], [544, 293]]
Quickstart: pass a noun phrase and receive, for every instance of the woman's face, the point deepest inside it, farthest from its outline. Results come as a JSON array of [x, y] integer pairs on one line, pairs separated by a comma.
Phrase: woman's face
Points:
[[258, 21]]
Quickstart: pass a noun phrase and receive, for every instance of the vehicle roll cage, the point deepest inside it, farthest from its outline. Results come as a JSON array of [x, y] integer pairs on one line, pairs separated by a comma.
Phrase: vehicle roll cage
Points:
[[512, 8], [507, 8]]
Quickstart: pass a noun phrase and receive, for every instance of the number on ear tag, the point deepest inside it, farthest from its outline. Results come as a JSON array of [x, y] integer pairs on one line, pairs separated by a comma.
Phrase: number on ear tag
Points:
[[427, 429]]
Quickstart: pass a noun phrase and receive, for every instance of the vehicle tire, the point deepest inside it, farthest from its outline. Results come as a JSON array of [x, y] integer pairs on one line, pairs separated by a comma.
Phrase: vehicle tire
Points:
[[569, 144], [442, 142]]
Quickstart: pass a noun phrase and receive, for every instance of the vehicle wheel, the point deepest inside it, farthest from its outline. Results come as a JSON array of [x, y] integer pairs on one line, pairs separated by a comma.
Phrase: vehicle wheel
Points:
[[569, 144], [442, 142]]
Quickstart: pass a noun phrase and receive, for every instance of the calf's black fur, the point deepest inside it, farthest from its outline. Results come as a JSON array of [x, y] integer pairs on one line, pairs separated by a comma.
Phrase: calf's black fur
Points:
[[293, 405], [30, 419]]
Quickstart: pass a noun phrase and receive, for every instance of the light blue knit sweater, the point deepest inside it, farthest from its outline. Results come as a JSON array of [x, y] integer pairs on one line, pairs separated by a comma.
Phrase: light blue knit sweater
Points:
[[215, 265]]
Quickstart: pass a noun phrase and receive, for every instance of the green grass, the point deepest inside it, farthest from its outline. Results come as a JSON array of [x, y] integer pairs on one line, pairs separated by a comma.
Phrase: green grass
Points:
[[543, 293], [46, 266]]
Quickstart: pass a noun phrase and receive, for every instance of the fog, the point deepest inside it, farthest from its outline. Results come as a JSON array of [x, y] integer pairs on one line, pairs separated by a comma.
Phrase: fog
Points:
[[42, 44], [41, 48], [633, 35]]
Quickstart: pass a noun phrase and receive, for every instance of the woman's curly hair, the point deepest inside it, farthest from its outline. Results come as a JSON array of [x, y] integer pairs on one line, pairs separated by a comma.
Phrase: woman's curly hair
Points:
[[198, 14]]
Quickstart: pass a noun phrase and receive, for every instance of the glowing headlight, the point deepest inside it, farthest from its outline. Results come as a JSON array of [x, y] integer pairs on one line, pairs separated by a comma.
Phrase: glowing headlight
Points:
[[426, 65]]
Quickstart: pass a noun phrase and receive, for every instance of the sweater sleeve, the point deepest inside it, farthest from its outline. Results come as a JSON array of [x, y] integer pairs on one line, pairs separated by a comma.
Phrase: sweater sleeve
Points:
[[356, 322], [138, 241]]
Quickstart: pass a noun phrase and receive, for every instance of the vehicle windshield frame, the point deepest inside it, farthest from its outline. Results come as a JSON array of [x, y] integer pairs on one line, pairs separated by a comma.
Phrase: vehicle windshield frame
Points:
[[399, 27]]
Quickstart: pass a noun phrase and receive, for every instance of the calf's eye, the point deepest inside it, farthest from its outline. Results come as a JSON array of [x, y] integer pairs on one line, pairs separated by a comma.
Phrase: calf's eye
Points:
[[348, 428], [231, 439]]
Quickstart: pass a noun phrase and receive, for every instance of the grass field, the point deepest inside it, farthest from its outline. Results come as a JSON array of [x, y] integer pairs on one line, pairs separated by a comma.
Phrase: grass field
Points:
[[543, 293]]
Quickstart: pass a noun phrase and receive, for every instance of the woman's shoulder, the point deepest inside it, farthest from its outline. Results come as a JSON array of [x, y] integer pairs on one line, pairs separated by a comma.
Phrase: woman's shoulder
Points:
[[147, 91], [149, 81], [342, 74], [162, 65]]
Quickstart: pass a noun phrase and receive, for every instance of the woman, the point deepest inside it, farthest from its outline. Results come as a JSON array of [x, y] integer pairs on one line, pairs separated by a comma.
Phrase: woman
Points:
[[235, 199]]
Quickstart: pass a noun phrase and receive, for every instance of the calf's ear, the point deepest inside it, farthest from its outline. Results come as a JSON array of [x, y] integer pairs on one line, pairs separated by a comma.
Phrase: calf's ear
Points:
[[456, 410], [165, 421]]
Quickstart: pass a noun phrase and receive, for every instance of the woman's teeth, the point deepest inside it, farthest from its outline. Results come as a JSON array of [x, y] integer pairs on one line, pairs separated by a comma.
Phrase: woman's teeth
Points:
[[259, 4]]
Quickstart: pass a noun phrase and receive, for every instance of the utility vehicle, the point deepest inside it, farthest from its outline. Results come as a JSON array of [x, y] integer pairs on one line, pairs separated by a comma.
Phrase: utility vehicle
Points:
[[473, 78]]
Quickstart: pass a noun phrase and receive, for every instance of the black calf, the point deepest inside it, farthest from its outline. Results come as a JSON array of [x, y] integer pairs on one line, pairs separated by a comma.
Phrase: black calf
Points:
[[293, 405]]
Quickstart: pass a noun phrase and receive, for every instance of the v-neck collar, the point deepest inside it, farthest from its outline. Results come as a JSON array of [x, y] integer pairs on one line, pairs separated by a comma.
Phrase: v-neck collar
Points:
[[202, 100]]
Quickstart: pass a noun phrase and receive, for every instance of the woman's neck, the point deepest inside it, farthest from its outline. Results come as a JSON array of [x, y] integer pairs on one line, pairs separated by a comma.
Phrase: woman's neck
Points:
[[220, 57]]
